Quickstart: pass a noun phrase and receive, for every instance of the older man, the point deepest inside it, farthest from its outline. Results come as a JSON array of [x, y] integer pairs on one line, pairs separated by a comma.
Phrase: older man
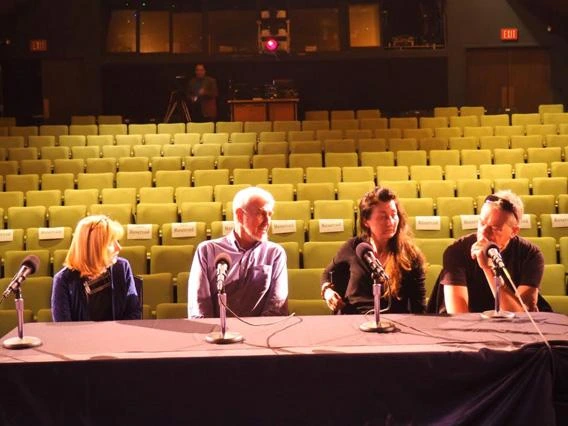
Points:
[[467, 276], [257, 282]]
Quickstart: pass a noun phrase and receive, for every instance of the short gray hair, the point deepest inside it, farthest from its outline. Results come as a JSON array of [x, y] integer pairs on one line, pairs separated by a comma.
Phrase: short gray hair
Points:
[[244, 196], [515, 201]]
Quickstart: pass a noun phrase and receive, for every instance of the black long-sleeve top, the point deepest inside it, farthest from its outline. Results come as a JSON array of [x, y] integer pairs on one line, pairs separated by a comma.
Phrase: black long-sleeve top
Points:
[[353, 282]]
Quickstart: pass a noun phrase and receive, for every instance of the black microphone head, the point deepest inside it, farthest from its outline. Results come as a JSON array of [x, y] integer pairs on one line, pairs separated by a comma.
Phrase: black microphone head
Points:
[[223, 258], [491, 246], [32, 262], [363, 248]]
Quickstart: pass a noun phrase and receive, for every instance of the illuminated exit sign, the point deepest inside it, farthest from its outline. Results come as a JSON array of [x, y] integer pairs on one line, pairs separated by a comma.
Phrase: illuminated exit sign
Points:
[[39, 45], [509, 34]]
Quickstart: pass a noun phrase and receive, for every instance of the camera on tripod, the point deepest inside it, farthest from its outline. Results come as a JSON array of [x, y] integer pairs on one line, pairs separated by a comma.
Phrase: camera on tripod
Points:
[[178, 99]]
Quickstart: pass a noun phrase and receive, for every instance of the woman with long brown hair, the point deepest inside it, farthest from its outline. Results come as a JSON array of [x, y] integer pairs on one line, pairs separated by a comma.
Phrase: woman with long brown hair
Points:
[[95, 284], [347, 285]]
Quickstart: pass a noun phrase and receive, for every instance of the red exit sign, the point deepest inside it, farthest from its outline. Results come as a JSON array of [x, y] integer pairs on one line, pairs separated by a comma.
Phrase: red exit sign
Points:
[[38, 45], [509, 34]]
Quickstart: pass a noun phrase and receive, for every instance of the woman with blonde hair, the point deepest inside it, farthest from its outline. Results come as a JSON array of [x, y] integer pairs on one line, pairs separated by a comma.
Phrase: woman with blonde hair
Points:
[[95, 284], [347, 285]]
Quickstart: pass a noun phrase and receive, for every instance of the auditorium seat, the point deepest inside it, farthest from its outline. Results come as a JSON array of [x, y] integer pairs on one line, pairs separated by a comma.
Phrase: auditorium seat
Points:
[[509, 131], [142, 129], [24, 217], [402, 144], [547, 246], [544, 155], [372, 145], [291, 175], [15, 242], [559, 141], [423, 206], [296, 210], [344, 124], [128, 140], [206, 162], [39, 142], [254, 176], [283, 231], [83, 130], [201, 128], [475, 157], [304, 284], [493, 142], [464, 121], [13, 261], [495, 171], [541, 129], [433, 248], [308, 307], [210, 150], [12, 142], [36, 240], [53, 130], [133, 179], [95, 180], [453, 172], [201, 211], [280, 191], [286, 126], [448, 132], [100, 165], [402, 188], [84, 152], [54, 152], [179, 150], [116, 151], [376, 159], [268, 148], [151, 195], [258, 126], [61, 181], [444, 157], [84, 197], [354, 190], [118, 196], [549, 186], [559, 169], [315, 191], [333, 209], [357, 134], [519, 186], [550, 229], [158, 288], [146, 235], [357, 174], [421, 172], [240, 137], [454, 206], [229, 127], [538, 204], [100, 140], [292, 253], [269, 161], [166, 164], [66, 215], [510, 156], [171, 259], [433, 122], [243, 148], [159, 139], [232, 162], [318, 254], [388, 133], [317, 115], [494, 120], [473, 187], [19, 154], [472, 110], [422, 227], [559, 304], [411, 158], [403, 123], [274, 136], [432, 143], [171, 310], [9, 319], [437, 188], [156, 213], [147, 151], [373, 123], [122, 213], [463, 142], [188, 235], [44, 198], [477, 132], [36, 167], [113, 129], [392, 173]]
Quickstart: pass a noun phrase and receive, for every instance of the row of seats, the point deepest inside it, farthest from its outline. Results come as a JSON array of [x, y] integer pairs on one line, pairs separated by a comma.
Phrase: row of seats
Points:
[[549, 123], [543, 134]]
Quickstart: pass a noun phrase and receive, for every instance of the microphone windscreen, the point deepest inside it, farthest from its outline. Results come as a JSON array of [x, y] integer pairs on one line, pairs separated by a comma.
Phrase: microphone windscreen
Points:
[[491, 246], [32, 262], [223, 258], [363, 248]]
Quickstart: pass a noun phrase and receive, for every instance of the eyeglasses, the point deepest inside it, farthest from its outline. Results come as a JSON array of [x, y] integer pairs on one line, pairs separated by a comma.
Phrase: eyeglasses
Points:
[[505, 204]]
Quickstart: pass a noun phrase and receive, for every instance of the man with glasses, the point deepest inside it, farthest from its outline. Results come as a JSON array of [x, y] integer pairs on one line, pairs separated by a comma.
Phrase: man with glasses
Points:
[[467, 276], [257, 281]]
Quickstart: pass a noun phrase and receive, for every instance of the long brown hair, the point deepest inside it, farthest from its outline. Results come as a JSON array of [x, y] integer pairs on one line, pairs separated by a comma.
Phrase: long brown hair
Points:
[[402, 253], [88, 252]]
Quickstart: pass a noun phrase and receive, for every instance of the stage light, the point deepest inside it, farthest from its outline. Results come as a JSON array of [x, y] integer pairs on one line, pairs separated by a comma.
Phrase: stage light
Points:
[[271, 45]]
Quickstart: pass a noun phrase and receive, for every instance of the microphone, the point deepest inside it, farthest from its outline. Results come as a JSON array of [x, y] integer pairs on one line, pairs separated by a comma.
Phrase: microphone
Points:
[[222, 266], [28, 267], [365, 251], [494, 254]]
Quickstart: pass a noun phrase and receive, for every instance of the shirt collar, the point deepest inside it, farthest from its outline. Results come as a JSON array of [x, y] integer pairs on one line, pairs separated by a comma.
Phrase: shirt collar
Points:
[[232, 239]]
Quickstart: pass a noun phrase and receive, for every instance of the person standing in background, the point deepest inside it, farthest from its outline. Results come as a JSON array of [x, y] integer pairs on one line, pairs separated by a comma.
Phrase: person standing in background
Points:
[[203, 94]]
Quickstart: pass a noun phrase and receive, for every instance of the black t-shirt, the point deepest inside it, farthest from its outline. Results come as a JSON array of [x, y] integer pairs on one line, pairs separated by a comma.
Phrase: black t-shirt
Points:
[[523, 260], [353, 281], [99, 301]]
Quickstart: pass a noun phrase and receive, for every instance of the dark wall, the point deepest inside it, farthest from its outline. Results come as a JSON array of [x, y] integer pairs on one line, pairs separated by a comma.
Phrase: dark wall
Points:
[[391, 84], [473, 24]]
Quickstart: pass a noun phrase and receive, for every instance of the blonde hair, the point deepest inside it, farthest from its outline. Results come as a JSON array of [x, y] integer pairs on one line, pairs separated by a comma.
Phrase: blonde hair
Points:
[[88, 252]]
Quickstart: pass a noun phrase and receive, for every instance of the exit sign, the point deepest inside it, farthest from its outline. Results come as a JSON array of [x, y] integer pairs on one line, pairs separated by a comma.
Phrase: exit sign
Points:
[[38, 45], [509, 34]]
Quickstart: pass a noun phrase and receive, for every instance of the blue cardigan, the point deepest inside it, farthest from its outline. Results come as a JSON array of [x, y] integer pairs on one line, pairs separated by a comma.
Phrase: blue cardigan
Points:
[[69, 302]]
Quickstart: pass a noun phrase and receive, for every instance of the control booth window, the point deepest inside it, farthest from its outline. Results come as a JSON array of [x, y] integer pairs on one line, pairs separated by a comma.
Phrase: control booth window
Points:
[[364, 25], [315, 29], [154, 31], [232, 27], [187, 32], [121, 34]]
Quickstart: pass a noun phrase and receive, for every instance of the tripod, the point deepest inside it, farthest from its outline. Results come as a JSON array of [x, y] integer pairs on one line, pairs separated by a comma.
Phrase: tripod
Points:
[[177, 99]]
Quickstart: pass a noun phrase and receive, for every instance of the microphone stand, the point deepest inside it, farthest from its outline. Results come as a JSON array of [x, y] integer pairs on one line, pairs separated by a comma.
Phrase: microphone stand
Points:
[[20, 342], [223, 337], [497, 313], [377, 326]]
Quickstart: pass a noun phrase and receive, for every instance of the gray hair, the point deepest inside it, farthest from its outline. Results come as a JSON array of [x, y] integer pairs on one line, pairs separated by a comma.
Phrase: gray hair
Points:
[[515, 201], [244, 196]]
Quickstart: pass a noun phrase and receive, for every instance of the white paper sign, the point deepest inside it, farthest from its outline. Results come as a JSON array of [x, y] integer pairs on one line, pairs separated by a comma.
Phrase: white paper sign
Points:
[[184, 230], [469, 221], [525, 222], [331, 225], [139, 232], [428, 223], [228, 226], [283, 226], [559, 220], [51, 233], [6, 235]]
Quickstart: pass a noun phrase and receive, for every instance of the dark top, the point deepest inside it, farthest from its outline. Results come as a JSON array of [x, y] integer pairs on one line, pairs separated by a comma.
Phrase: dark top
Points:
[[99, 298], [353, 282], [69, 300], [522, 258]]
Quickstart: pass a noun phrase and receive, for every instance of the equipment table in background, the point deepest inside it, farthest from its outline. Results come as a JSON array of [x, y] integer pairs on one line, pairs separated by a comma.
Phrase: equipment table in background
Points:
[[264, 109], [303, 370]]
